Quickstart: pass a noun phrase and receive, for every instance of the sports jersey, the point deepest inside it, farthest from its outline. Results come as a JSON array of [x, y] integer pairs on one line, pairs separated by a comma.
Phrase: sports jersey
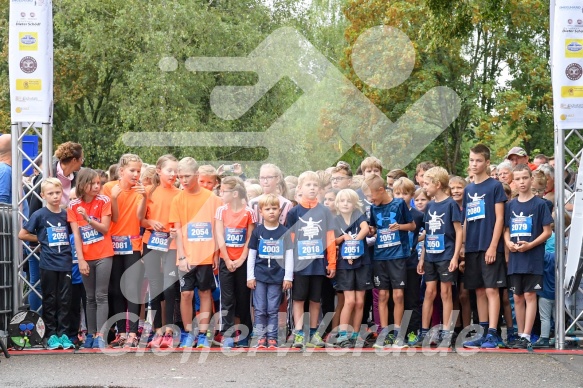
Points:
[[390, 245], [236, 227], [480, 214], [352, 249], [196, 215], [413, 258], [312, 225], [285, 206], [525, 221], [365, 203], [95, 244], [52, 231], [158, 209], [439, 229], [125, 232], [271, 246]]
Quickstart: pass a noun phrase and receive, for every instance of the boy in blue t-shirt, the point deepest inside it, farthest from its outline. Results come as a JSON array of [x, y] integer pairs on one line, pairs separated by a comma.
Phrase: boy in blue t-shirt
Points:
[[391, 221], [483, 248], [527, 226], [312, 227], [270, 267], [440, 254], [48, 227]]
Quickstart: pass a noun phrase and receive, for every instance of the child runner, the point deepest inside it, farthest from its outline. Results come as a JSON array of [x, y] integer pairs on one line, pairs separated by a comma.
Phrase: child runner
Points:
[[234, 224], [391, 220], [192, 214], [312, 226], [440, 254], [269, 270], [271, 180], [485, 269], [341, 177], [527, 227], [126, 195], [421, 199], [48, 227], [90, 218], [208, 178], [330, 200], [354, 272], [159, 250]]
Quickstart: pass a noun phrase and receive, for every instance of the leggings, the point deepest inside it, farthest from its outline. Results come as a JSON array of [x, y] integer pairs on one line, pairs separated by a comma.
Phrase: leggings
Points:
[[162, 274], [126, 296], [96, 287]]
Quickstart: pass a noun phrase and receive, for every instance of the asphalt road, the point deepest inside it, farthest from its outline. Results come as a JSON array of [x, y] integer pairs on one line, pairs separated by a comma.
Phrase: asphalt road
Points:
[[297, 369]]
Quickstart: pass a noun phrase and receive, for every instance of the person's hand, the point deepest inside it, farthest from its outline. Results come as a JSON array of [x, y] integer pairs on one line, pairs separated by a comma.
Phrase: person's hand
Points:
[[347, 236], [173, 233], [331, 273], [251, 284], [490, 256], [83, 268], [420, 268], [287, 285], [452, 265], [116, 191], [237, 169], [139, 188], [462, 267], [463, 251], [83, 213], [512, 247], [156, 225], [183, 265], [523, 246], [215, 263]]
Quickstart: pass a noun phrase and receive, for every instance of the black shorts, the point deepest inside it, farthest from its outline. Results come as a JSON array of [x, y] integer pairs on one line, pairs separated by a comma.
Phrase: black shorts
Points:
[[481, 275], [390, 274], [358, 279], [200, 276], [307, 287], [525, 282], [439, 271]]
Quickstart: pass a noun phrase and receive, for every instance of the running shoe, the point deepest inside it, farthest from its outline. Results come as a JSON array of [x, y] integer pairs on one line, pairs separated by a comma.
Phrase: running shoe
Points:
[[521, 343], [490, 342], [203, 342], [88, 344], [474, 344], [386, 343], [188, 342], [370, 340], [118, 342], [261, 343], [412, 338], [155, 342], [66, 342], [228, 343], [98, 343], [316, 341], [54, 343], [541, 343], [511, 339], [418, 342], [344, 342], [298, 339], [167, 341], [272, 343], [132, 343], [446, 340], [399, 343], [243, 343], [218, 339]]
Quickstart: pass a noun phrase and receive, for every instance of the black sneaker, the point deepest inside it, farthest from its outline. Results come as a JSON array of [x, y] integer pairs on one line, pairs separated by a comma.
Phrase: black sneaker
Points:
[[541, 343], [521, 343]]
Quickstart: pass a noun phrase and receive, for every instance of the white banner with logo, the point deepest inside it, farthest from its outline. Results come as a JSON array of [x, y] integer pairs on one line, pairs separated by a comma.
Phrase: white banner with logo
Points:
[[31, 60]]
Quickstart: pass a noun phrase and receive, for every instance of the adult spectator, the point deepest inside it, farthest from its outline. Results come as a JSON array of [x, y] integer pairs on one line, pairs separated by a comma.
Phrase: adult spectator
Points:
[[552, 161], [517, 155], [540, 159], [505, 175], [6, 169]]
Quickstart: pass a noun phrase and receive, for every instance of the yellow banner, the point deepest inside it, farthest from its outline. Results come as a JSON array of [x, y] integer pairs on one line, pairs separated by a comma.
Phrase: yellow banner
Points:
[[29, 84]]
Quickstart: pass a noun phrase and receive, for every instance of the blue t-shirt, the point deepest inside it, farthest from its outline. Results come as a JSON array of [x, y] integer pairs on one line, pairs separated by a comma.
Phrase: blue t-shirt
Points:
[[480, 214], [271, 246], [390, 245], [53, 233], [5, 183], [310, 227], [413, 259], [548, 291], [352, 249], [525, 221], [440, 231]]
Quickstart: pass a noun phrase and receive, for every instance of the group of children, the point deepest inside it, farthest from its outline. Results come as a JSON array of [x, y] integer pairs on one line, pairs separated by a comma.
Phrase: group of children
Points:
[[339, 245]]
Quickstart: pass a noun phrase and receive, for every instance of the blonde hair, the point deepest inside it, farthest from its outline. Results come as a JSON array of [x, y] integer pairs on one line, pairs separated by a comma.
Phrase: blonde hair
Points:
[[420, 191], [373, 182], [371, 162], [188, 164], [126, 159], [357, 182], [404, 186], [208, 170], [254, 191], [540, 178], [307, 176], [281, 185], [268, 200], [160, 165], [351, 195], [457, 179], [236, 184], [323, 178], [50, 181], [149, 172], [438, 175]]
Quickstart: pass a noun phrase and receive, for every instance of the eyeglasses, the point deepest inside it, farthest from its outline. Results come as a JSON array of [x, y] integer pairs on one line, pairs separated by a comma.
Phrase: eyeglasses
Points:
[[267, 178], [537, 191], [338, 179], [225, 191]]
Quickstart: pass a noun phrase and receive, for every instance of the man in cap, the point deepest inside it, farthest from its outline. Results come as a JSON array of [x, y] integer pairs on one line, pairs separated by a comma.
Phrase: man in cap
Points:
[[517, 155]]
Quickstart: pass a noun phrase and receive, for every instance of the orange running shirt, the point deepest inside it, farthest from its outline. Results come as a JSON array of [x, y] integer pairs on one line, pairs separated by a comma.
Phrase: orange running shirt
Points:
[[158, 209], [236, 228], [196, 215], [127, 224], [95, 245]]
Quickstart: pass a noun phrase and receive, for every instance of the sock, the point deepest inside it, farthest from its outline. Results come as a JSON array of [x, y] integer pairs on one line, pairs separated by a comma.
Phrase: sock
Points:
[[313, 331], [485, 326], [202, 333], [300, 332], [397, 331], [511, 330], [354, 335], [527, 336], [424, 331], [492, 331], [342, 333]]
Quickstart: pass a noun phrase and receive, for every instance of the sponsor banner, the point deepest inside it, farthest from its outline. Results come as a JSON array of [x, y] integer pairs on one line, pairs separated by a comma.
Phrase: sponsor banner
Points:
[[567, 63], [31, 60]]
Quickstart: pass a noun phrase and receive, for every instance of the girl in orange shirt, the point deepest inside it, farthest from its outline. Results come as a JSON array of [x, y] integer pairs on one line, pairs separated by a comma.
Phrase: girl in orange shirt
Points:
[[158, 247], [90, 217], [126, 195]]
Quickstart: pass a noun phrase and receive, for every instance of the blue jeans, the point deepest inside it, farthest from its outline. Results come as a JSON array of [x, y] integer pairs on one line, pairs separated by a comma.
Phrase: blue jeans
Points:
[[266, 300]]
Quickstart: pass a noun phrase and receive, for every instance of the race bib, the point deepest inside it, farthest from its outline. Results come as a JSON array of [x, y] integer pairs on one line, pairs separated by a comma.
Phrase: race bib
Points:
[[235, 237], [200, 231], [90, 235], [271, 249], [520, 227], [310, 249], [434, 243], [476, 210], [387, 238], [352, 249], [159, 241], [58, 236], [122, 245]]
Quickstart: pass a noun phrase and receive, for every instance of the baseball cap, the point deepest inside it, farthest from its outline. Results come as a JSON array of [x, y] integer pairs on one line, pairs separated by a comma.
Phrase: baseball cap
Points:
[[516, 151]]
